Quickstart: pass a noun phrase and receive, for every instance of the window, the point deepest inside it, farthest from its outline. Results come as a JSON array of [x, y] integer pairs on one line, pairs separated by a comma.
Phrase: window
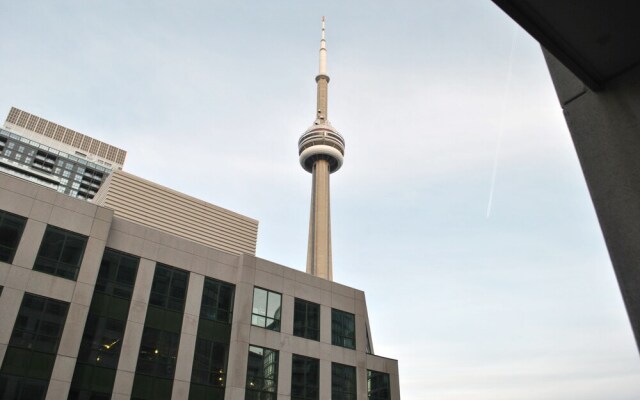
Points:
[[378, 387], [343, 382], [11, 228], [169, 288], [209, 363], [117, 274], [156, 365], [262, 374], [31, 353], [209, 373], [101, 343], [343, 329], [266, 309], [304, 378], [306, 319], [217, 301], [60, 253], [161, 335], [158, 352]]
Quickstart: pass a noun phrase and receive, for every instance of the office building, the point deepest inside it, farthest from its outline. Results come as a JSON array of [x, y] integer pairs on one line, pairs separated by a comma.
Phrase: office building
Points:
[[95, 304], [51, 155]]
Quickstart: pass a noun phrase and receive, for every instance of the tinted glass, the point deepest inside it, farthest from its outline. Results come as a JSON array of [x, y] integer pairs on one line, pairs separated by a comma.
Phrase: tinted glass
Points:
[[306, 319], [158, 352], [169, 288], [262, 373], [11, 228], [304, 378], [378, 385], [29, 358], [343, 332], [209, 363], [217, 301], [117, 274], [343, 382], [60, 253]]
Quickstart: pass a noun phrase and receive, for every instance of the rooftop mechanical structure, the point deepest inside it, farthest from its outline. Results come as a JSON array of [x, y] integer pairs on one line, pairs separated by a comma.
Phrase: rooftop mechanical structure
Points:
[[321, 150]]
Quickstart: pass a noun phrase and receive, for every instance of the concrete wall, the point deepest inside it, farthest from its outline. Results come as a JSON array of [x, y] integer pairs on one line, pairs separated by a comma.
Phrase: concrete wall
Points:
[[44, 206], [605, 128]]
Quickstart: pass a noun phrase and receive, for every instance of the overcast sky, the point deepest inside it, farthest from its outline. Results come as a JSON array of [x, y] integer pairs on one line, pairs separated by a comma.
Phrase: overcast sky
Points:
[[461, 209]]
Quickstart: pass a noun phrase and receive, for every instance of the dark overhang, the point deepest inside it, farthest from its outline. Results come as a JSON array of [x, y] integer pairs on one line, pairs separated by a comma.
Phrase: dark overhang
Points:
[[596, 39]]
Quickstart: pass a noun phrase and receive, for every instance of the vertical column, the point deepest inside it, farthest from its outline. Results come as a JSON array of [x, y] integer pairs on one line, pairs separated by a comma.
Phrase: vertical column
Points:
[[186, 349], [604, 127], [9, 307], [319, 250], [133, 332]]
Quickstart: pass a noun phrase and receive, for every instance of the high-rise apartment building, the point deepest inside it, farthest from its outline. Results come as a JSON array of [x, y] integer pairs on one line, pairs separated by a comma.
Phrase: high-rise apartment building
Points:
[[51, 155]]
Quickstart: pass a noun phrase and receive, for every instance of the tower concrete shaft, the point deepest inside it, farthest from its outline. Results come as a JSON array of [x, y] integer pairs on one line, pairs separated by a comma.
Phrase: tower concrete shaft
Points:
[[321, 150], [319, 262]]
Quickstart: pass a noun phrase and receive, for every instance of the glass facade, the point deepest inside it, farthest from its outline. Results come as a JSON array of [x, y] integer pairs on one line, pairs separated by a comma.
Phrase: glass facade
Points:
[[262, 374], [343, 382], [104, 330], [11, 228], [305, 378], [266, 309], [60, 253], [31, 353], [343, 329], [161, 335], [209, 373], [306, 319], [378, 387]]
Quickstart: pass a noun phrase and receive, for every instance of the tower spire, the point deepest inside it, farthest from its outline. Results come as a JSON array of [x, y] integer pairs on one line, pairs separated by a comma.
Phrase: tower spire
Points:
[[323, 52], [321, 150], [322, 79]]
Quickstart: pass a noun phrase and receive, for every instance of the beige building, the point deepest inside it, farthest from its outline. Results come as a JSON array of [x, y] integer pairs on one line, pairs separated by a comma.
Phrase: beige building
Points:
[[99, 303]]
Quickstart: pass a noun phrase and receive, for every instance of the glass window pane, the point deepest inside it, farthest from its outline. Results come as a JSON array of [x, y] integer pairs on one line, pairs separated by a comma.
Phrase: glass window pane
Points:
[[259, 301], [343, 382], [60, 253], [304, 378], [378, 385], [262, 373], [11, 228], [266, 304], [273, 305], [343, 329]]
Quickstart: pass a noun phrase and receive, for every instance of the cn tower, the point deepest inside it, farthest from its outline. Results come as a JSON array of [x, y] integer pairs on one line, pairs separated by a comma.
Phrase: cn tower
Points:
[[321, 150]]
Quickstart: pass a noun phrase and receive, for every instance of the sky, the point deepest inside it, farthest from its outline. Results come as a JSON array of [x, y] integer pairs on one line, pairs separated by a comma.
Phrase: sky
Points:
[[461, 209]]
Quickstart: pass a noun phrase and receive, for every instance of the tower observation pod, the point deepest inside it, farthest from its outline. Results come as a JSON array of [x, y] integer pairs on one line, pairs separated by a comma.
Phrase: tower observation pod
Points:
[[321, 150]]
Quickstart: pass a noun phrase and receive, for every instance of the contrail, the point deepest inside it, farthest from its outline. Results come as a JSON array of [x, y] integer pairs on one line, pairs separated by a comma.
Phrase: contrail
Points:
[[505, 96]]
